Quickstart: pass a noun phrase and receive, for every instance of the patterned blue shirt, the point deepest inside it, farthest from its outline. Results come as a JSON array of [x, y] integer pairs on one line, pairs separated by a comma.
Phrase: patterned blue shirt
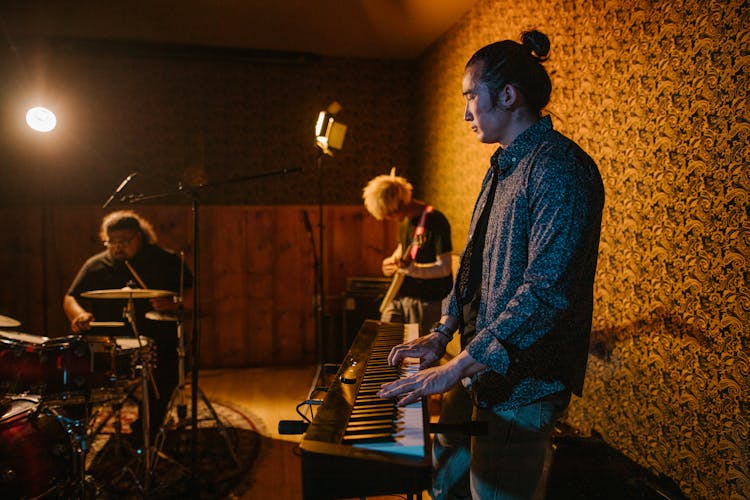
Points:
[[538, 266]]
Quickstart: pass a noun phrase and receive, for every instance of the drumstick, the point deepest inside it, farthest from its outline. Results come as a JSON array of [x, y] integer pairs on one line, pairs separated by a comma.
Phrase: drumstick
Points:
[[135, 274]]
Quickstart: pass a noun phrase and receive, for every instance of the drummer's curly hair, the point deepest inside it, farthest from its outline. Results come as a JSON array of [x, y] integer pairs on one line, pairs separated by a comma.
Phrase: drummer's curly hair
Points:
[[127, 219]]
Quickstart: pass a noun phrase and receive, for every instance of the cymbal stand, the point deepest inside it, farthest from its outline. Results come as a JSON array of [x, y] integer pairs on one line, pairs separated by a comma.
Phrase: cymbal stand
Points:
[[178, 401], [181, 408], [146, 375], [178, 394]]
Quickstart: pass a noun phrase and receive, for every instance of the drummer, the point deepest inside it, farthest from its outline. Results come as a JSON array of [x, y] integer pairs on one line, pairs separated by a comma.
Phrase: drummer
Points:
[[133, 259]]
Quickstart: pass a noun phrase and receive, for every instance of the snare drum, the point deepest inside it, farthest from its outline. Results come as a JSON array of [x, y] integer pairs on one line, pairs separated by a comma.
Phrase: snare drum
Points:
[[75, 364], [36, 454], [79, 364], [20, 366], [129, 355]]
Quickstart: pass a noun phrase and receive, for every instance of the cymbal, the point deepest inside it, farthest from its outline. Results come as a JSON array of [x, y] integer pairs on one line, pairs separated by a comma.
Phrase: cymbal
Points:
[[6, 322], [126, 293]]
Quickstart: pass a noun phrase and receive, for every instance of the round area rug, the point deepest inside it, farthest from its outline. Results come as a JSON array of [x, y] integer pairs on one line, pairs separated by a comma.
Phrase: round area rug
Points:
[[217, 465]]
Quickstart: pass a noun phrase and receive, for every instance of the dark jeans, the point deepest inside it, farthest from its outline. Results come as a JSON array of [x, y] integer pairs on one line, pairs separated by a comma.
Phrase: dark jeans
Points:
[[411, 310], [509, 462]]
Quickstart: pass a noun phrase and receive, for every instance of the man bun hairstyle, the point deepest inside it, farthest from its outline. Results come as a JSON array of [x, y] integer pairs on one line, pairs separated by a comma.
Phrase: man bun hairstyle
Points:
[[518, 64], [537, 42]]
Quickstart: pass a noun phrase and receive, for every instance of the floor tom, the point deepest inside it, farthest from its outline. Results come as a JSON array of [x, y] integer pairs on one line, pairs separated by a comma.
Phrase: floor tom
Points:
[[36, 453]]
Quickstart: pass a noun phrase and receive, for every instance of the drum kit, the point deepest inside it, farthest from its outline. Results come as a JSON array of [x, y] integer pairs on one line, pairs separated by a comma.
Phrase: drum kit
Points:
[[51, 391]]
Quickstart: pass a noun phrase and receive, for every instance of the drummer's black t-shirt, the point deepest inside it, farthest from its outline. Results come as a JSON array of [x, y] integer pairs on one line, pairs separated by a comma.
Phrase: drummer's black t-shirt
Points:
[[158, 268]]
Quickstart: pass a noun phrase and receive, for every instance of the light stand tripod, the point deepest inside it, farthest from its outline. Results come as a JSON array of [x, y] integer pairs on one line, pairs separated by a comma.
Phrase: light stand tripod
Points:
[[329, 134], [319, 276]]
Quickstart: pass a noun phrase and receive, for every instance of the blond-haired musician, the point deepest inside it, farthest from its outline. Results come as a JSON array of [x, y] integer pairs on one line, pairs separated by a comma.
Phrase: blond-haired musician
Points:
[[423, 254]]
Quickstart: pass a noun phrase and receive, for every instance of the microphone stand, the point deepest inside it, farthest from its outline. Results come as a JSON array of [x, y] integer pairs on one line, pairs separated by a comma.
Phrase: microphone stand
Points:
[[195, 351], [194, 193], [119, 189]]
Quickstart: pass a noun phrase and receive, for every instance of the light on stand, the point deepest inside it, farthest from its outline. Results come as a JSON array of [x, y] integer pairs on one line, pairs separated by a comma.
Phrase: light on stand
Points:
[[329, 134], [41, 119]]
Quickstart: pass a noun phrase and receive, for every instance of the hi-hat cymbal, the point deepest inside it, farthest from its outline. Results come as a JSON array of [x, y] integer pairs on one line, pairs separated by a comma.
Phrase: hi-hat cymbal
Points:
[[126, 293], [6, 322], [161, 316], [174, 316]]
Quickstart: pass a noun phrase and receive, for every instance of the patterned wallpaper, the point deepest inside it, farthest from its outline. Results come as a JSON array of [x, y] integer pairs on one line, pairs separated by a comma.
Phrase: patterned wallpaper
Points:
[[657, 93]]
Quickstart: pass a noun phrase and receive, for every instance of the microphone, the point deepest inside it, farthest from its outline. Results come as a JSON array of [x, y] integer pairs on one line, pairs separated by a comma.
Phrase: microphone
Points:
[[119, 188], [306, 220]]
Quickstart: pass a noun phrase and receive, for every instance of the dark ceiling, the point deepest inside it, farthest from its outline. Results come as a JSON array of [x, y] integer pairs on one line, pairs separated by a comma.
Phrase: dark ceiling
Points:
[[378, 29]]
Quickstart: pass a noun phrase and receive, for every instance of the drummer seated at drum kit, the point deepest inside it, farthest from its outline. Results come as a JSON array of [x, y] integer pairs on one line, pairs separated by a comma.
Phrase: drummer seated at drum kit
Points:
[[134, 286]]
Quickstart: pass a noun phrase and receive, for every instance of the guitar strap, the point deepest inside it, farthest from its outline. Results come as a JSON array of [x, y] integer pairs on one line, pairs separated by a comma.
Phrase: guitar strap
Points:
[[416, 242]]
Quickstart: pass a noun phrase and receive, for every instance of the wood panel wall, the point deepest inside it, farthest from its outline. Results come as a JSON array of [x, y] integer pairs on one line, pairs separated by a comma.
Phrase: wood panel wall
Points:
[[255, 271]]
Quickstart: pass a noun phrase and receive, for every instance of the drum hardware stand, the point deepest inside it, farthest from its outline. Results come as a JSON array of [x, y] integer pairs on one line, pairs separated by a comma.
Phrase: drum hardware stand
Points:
[[119, 442], [136, 457], [178, 394], [146, 376], [121, 445], [115, 416], [75, 430]]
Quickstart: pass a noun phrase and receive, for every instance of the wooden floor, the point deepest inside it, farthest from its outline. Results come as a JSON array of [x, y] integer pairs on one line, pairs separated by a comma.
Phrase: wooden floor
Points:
[[268, 395]]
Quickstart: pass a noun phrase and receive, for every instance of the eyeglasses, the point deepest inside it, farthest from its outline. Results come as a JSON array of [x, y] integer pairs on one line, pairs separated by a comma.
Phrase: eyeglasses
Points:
[[120, 242]]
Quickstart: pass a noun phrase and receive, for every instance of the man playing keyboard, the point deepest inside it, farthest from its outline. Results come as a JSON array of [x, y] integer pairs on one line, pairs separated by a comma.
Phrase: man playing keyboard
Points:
[[523, 297]]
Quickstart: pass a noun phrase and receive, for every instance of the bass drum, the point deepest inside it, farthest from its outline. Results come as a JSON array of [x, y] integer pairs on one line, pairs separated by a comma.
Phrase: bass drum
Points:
[[36, 454]]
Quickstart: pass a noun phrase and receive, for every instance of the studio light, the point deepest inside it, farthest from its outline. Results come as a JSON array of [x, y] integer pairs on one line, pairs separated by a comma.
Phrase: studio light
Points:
[[41, 119], [329, 134]]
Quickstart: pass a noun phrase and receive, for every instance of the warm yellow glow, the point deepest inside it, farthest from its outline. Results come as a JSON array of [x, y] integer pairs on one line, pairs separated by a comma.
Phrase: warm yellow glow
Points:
[[41, 119], [328, 132], [319, 125]]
